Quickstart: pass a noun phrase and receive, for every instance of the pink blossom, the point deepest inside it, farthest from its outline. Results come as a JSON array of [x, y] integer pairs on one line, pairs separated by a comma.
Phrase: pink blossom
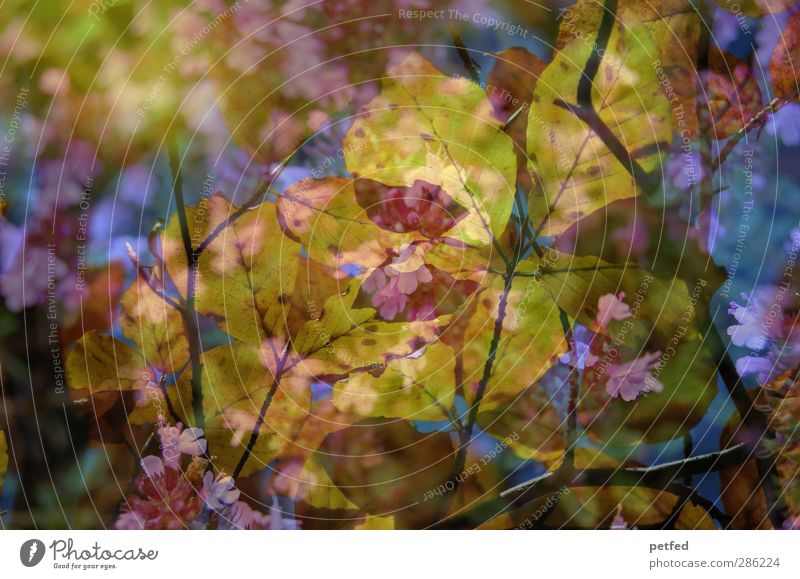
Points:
[[632, 378], [611, 307], [166, 500], [391, 285]]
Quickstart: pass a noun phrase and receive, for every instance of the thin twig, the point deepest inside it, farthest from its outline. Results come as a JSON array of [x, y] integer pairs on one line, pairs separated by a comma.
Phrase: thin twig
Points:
[[758, 120]]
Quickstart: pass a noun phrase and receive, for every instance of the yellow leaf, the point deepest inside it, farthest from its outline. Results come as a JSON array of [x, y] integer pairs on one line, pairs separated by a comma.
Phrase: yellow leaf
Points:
[[430, 127], [420, 388], [579, 172], [155, 327], [236, 385], [246, 274], [326, 217], [531, 340], [100, 363], [341, 339]]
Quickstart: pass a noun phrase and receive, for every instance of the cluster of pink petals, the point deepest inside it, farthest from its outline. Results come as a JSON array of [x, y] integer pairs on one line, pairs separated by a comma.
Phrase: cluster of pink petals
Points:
[[625, 380], [390, 285], [421, 207], [166, 500], [630, 379]]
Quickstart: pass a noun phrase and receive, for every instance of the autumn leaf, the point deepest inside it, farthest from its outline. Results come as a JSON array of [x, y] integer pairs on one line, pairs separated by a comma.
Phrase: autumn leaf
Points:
[[741, 492], [156, 328], [531, 421], [510, 88], [341, 338], [441, 130], [579, 173], [109, 372], [734, 96], [326, 217], [236, 384], [673, 25], [784, 66], [576, 283], [387, 468], [530, 341], [100, 363], [689, 380], [415, 388]]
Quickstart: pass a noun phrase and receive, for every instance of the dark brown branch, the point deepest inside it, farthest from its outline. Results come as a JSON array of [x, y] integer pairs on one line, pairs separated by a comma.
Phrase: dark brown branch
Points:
[[472, 67], [589, 116]]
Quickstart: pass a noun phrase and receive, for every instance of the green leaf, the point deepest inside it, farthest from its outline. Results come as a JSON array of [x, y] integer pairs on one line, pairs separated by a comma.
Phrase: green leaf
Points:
[[690, 385], [431, 127], [578, 171], [577, 283]]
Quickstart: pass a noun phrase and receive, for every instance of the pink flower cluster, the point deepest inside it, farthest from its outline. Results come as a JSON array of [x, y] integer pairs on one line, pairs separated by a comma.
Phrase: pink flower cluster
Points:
[[172, 498], [422, 207], [625, 380], [390, 285]]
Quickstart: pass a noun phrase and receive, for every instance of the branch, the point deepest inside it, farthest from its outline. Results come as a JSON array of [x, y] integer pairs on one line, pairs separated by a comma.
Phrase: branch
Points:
[[588, 115], [262, 414], [651, 475], [473, 69], [189, 312], [584, 95], [757, 121]]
